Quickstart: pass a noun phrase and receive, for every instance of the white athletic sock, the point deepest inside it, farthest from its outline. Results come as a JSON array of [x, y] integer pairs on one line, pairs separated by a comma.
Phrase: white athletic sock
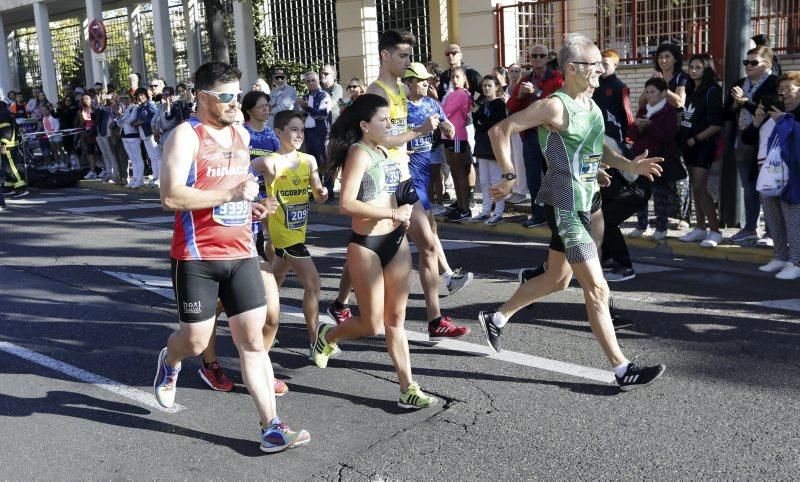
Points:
[[447, 276], [620, 369], [498, 319]]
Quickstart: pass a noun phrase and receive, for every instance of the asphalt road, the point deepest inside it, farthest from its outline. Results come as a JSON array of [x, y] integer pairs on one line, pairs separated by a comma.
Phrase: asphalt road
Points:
[[85, 309]]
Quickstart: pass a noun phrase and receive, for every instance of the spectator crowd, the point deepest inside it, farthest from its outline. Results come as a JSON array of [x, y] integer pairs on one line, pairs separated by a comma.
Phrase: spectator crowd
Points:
[[118, 132]]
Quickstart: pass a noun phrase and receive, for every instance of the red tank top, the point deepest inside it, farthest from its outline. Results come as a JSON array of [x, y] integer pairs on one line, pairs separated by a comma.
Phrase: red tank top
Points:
[[221, 232]]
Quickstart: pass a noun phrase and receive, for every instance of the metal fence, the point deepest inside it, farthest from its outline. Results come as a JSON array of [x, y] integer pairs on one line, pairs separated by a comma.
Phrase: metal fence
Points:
[[304, 30], [411, 15], [780, 20]]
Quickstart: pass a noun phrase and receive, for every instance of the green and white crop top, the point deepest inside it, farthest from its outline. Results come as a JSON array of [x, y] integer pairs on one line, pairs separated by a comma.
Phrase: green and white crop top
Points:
[[383, 175]]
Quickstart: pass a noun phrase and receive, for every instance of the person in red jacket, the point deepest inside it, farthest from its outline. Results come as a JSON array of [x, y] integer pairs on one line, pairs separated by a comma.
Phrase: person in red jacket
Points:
[[538, 84]]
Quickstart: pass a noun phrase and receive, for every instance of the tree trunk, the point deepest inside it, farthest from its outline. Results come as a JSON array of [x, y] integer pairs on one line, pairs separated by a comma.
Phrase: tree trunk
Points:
[[215, 26]]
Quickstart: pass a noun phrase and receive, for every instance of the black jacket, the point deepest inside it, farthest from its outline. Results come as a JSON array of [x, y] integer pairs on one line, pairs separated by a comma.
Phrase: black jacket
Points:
[[487, 115], [732, 110]]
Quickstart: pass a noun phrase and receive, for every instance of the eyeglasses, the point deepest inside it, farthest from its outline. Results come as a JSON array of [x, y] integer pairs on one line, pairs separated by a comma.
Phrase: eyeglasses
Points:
[[591, 64], [223, 97], [543, 56], [353, 87], [751, 63], [278, 77], [452, 53]]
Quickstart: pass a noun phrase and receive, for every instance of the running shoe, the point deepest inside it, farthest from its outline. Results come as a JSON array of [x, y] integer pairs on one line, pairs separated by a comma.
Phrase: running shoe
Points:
[[621, 273], [339, 316], [639, 376], [278, 437], [694, 235], [491, 330], [659, 235], [636, 233], [165, 381], [765, 242], [322, 349], [744, 235], [20, 193], [495, 219], [443, 329], [791, 271], [773, 266], [414, 398], [458, 281], [479, 218], [90, 175], [215, 377], [281, 388], [456, 216], [526, 274], [532, 223]]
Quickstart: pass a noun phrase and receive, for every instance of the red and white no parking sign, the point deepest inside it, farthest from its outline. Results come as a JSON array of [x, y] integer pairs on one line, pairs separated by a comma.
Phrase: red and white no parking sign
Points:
[[97, 36]]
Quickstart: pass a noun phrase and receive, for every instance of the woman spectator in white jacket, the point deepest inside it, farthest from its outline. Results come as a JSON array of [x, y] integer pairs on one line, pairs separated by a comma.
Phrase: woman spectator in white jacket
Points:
[[131, 142]]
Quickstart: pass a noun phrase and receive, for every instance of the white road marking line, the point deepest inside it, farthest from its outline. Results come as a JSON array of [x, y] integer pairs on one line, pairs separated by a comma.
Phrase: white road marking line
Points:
[[156, 283], [111, 208], [154, 220], [53, 199], [139, 396], [790, 305]]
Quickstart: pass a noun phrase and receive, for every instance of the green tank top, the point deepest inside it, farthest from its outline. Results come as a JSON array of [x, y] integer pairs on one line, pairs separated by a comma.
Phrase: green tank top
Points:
[[573, 157], [383, 175]]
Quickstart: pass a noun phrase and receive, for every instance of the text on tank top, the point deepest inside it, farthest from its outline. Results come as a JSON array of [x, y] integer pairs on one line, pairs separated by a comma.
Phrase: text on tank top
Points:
[[224, 231], [287, 226], [383, 175], [573, 157]]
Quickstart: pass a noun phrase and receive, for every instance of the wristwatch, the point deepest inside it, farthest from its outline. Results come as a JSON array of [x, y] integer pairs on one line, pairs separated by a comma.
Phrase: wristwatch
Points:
[[509, 176]]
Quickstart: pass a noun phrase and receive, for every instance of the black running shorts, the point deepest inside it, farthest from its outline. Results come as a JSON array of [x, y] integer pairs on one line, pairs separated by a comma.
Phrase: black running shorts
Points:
[[198, 284], [297, 251]]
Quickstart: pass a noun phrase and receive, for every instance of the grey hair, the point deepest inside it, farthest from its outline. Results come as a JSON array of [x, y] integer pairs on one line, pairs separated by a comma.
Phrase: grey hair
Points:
[[310, 72], [575, 45]]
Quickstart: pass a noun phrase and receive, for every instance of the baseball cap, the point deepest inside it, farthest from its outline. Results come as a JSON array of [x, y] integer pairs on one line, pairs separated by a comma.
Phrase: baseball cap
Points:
[[417, 71]]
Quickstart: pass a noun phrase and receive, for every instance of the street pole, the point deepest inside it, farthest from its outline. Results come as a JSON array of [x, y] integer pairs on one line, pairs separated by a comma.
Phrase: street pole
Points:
[[737, 42]]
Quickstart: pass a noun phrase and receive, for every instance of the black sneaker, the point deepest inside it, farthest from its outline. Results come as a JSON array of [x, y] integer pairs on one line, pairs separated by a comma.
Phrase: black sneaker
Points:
[[20, 193], [526, 274], [491, 330], [620, 273], [532, 223], [638, 376], [457, 216], [608, 264]]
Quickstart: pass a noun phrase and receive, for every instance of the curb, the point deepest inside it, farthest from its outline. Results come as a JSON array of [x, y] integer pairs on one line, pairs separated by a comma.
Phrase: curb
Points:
[[671, 247]]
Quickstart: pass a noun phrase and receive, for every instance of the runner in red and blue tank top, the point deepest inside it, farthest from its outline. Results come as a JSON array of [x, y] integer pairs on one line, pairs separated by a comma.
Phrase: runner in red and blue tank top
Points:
[[206, 180]]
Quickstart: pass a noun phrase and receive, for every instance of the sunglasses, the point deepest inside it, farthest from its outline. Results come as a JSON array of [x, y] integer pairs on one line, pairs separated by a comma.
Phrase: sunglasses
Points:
[[539, 56], [153, 85], [223, 97], [279, 77], [751, 63], [353, 87], [451, 53]]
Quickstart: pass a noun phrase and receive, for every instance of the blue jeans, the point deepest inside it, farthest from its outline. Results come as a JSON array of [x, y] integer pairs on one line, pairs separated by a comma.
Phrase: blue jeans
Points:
[[534, 167], [745, 161]]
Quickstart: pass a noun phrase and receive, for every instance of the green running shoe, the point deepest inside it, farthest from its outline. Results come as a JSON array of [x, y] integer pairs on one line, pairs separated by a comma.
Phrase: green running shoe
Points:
[[323, 350], [414, 398]]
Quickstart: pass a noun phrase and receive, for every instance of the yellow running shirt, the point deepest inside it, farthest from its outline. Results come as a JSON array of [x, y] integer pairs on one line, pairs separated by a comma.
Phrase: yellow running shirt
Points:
[[398, 116], [287, 226]]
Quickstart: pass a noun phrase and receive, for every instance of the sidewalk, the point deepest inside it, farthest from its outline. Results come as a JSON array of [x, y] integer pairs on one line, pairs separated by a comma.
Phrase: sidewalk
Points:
[[512, 227]]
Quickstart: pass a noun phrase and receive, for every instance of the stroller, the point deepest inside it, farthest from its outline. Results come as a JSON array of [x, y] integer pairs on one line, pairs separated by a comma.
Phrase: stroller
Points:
[[46, 161]]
